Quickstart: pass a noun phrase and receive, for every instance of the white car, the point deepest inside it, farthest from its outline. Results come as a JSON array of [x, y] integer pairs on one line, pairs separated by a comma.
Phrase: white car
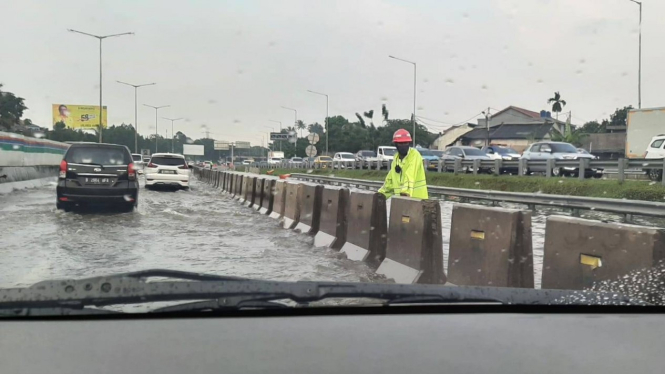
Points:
[[295, 161], [274, 161], [137, 158], [655, 151], [167, 170], [340, 158]]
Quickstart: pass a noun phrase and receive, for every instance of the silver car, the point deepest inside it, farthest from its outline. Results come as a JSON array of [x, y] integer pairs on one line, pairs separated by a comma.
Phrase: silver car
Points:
[[544, 151], [465, 153]]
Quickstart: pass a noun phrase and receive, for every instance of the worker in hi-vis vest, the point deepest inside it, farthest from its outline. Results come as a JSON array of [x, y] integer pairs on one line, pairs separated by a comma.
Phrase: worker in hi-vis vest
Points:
[[406, 177]]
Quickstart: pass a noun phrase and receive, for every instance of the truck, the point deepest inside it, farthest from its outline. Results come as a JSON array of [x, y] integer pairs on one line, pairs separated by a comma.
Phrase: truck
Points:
[[275, 154], [385, 153], [641, 126]]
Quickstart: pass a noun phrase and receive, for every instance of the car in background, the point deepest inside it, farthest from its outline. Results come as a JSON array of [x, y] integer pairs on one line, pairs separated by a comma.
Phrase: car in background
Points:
[[295, 161], [323, 162], [137, 158], [365, 155], [429, 156], [497, 152], [190, 164], [167, 170], [274, 161], [247, 162], [146, 159], [655, 151], [466, 153], [97, 173], [543, 151], [343, 159], [385, 154]]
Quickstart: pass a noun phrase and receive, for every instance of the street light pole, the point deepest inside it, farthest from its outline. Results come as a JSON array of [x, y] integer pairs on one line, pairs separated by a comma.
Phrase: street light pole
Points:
[[322, 94], [172, 133], [280, 130], [156, 108], [639, 69], [295, 125], [136, 123], [413, 120], [100, 37]]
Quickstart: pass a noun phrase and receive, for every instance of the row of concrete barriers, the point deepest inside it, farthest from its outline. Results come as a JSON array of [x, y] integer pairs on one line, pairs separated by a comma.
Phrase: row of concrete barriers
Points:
[[488, 246]]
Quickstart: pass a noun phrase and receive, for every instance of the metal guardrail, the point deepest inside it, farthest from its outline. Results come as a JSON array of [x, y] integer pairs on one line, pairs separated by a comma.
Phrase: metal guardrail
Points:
[[551, 167], [627, 208]]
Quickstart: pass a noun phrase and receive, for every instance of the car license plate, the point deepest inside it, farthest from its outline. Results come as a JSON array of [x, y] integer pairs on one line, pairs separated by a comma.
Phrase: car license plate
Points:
[[98, 180], [168, 171]]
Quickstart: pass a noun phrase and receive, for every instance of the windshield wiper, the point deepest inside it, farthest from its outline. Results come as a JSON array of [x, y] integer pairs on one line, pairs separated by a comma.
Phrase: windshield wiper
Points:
[[213, 292]]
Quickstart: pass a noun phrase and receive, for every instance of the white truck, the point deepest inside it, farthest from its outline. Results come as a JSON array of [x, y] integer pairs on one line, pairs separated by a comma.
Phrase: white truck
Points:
[[385, 153], [275, 157], [641, 126]]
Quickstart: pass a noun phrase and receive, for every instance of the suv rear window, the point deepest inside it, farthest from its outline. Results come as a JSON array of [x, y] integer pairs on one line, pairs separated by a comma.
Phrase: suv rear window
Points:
[[657, 143], [98, 155], [137, 158], [168, 161]]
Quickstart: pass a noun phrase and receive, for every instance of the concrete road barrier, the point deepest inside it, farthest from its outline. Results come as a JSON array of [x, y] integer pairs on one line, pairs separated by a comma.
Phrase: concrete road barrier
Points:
[[268, 195], [415, 246], [258, 193], [218, 174], [232, 184], [279, 200], [248, 190], [490, 247], [292, 205], [225, 185], [580, 252], [237, 191], [310, 208], [367, 227], [333, 218]]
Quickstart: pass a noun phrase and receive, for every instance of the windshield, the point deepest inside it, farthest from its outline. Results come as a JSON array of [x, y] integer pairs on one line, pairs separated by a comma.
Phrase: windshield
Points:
[[98, 155], [473, 152], [318, 93], [562, 148]]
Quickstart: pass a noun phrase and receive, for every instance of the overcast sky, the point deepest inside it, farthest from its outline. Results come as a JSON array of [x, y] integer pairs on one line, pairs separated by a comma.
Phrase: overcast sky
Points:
[[231, 65]]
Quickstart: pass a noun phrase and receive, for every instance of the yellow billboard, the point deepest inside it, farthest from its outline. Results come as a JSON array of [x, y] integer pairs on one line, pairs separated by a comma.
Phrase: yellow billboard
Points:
[[78, 116]]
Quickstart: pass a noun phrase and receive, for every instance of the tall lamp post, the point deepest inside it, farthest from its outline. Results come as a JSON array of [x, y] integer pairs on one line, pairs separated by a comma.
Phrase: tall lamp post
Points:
[[172, 133], [322, 94], [639, 69], [295, 125], [100, 37], [156, 108], [280, 130], [413, 120], [136, 123]]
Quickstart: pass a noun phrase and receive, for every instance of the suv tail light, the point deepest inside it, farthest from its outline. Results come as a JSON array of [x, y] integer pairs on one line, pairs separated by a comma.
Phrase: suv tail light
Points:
[[63, 169], [183, 166], [151, 165], [131, 172]]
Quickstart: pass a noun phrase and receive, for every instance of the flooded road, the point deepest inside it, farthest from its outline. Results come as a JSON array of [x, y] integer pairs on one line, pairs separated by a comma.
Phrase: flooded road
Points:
[[201, 230]]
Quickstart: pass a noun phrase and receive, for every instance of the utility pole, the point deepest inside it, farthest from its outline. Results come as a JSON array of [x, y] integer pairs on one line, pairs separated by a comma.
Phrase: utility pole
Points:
[[639, 69], [172, 133], [136, 121], [100, 38], [487, 126], [156, 108]]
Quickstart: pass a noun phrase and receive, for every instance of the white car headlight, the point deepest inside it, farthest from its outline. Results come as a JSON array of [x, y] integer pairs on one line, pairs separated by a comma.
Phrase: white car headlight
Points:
[[569, 157]]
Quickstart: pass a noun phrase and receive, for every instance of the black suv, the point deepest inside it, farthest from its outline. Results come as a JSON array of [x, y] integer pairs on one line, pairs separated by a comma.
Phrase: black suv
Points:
[[97, 173]]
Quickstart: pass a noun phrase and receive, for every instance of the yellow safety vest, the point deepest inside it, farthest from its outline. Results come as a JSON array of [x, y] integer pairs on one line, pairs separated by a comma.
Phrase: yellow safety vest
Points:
[[411, 181]]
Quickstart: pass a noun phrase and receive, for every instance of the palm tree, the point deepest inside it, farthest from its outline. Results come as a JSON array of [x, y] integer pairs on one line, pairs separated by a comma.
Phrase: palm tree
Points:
[[301, 126], [557, 104], [384, 112]]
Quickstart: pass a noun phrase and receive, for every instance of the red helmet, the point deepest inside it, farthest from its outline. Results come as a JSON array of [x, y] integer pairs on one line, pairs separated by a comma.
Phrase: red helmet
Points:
[[402, 136]]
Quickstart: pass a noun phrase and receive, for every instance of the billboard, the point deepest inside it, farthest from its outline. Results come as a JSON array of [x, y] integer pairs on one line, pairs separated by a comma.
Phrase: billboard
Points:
[[279, 136], [78, 116], [221, 145], [192, 150], [242, 145]]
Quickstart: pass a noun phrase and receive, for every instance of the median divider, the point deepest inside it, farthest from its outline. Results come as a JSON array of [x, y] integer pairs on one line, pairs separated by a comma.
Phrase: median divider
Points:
[[292, 204], [333, 218], [414, 253], [490, 247], [279, 199], [366, 230], [268, 196], [310, 208], [258, 193], [237, 190], [248, 190], [580, 252]]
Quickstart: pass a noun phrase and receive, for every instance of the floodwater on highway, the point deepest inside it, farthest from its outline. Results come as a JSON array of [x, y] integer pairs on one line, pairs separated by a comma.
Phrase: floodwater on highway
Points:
[[201, 230]]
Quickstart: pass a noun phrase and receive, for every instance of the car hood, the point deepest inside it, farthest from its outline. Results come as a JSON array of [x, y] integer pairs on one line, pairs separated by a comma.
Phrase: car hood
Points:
[[484, 157]]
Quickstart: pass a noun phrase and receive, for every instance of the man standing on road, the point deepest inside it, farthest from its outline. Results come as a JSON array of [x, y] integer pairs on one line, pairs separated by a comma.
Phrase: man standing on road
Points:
[[406, 177]]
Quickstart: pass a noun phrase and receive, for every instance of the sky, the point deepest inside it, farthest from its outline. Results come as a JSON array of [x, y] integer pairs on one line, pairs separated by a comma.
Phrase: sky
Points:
[[230, 66]]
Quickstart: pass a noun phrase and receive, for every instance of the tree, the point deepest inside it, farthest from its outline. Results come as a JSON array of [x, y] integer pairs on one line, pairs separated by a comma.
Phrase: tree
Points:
[[620, 116], [361, 120], [570, 135], [593, 127], [301, 126], [11, 110], [557, 104], [384, 113], [317, 128]]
